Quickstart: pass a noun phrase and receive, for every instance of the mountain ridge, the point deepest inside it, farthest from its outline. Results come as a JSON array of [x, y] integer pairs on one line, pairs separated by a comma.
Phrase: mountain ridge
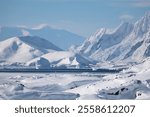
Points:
[[56, 36], [129, 43]]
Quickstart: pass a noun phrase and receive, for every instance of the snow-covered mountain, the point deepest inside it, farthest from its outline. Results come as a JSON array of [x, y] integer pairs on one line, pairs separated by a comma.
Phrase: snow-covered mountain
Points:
[[127, 43], [61, 59], [23, 49], [56, 36]]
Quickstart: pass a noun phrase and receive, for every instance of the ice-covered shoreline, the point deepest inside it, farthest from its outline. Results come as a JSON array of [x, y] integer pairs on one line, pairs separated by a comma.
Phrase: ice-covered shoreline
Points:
[[128, 84]]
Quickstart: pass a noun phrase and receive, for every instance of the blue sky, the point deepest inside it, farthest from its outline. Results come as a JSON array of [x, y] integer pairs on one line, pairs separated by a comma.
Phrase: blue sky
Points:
[[80, 16]]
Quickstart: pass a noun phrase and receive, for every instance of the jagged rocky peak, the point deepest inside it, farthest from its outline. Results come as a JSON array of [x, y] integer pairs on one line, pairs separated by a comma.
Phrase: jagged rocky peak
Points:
[[127, 42], [105, 38], [143, 25], [97, 34], [124, 28]]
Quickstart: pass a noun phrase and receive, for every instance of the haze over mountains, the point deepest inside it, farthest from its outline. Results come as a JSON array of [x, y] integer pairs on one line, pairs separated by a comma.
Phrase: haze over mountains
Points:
[[56, 36], [128, 43]]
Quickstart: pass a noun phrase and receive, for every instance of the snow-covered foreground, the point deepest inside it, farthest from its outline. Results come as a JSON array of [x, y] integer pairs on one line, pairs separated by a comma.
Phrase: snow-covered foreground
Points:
[[93, 86], [43, 86]]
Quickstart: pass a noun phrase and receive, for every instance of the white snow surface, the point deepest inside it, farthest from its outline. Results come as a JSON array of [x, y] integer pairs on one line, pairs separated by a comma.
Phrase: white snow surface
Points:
[[23, 49]]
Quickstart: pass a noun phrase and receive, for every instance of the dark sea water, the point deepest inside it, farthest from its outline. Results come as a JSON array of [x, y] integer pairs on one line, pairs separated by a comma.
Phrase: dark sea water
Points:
[[62, 70]]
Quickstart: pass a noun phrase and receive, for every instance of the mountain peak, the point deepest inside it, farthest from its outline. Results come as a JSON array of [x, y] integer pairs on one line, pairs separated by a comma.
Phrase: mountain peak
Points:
[[147, 14], [25, 48], [124, 24], [124, 27], [127, 42], [38, 41], [143, 25], [146, 18], [97, 34]]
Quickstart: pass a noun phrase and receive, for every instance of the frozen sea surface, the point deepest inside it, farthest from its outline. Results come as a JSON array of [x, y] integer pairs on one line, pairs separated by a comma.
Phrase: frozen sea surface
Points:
[[73, 86], [49, 86]]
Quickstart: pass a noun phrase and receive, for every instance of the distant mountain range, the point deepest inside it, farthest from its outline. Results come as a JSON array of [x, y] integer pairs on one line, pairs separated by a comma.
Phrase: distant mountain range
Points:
[[61, 38], [128, 43]]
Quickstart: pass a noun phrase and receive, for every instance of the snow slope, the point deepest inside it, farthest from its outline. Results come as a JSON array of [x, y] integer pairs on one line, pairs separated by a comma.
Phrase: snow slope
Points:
[[56, 36], [63, 59], [127, 43], [23, 49], [133, 83]]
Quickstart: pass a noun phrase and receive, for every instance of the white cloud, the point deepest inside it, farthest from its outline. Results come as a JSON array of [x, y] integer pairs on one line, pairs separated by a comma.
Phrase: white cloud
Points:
[[132, 3], [141, 3], [126, 17]]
